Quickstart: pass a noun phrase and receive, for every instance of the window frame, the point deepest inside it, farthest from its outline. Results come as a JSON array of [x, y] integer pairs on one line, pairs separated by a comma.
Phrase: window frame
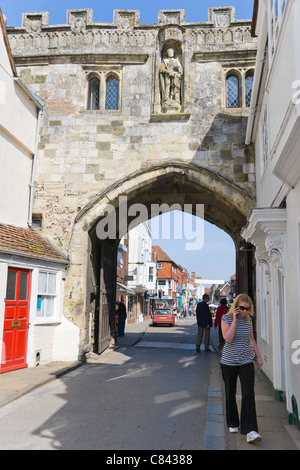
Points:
[[110, 77], [103, 74], [249, 74], [263, 301], [228, 76], [265, 136], [92, 79], [241, 74], [276, 10], [54, 317]]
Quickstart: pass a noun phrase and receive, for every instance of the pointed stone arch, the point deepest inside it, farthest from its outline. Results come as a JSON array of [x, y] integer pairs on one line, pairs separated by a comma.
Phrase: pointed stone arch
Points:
[[226, 194], [225, 205]]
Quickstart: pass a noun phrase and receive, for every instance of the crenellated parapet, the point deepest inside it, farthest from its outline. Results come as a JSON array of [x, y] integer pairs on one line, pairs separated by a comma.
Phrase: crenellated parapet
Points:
[[80, 33]]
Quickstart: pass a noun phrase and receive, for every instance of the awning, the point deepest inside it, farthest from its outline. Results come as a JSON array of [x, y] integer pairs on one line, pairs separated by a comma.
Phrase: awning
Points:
[[140, 289], [125, 289]]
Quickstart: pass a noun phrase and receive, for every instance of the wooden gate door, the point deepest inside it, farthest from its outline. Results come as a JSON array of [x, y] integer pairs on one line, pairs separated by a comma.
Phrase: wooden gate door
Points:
[[16, 320], [107, 294]]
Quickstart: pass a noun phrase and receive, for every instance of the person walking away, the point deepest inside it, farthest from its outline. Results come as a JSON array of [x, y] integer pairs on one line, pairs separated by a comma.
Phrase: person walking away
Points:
[[122, 317], [237, 361], [204, 321], [221, 310]]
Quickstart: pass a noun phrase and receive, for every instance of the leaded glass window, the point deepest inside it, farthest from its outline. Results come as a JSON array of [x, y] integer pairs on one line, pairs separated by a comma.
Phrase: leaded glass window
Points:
[[232, 92], [248, 90], [94, 93], [112, 93]]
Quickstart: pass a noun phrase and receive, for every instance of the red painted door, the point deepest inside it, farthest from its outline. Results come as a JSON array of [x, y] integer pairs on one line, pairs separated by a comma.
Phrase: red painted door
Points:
[[16, 320]]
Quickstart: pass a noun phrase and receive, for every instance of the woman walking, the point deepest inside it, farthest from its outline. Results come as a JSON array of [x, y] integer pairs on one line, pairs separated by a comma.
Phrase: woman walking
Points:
[[237, 361], [221, 310]]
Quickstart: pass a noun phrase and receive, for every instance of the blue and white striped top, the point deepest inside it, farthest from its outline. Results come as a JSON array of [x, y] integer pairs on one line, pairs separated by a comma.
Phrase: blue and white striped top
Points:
[[238, 352]]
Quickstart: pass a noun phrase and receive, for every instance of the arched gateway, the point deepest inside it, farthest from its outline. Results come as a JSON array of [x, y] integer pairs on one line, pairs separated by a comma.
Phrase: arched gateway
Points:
[[155, 114], [163, 186]]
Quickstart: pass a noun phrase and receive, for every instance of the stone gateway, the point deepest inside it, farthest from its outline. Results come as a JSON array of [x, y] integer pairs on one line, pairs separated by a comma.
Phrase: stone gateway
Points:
[[132, 110]]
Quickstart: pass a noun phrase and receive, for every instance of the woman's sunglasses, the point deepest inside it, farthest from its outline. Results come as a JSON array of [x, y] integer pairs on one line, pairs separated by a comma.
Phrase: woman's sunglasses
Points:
[[243, 308]]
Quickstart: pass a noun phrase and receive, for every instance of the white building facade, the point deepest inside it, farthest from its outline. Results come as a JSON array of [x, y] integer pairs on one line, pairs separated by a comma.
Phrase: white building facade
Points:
[[33, 329], [141, 269], [274, 225]]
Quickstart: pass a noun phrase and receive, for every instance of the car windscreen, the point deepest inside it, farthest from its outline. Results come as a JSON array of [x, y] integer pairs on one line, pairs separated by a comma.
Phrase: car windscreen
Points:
[[162, 312]]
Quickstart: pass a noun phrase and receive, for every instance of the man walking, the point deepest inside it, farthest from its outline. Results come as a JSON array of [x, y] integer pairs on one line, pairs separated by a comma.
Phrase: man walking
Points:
[[204, 322], [122, 317]]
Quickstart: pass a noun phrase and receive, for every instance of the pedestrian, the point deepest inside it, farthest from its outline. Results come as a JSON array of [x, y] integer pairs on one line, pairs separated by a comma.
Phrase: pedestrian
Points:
[[221, 310], [204, 322], [237, 361], [122, 317]]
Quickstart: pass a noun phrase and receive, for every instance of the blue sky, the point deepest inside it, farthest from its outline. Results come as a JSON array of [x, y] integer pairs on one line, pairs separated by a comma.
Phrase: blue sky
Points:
[[216, 259], [195, 10]]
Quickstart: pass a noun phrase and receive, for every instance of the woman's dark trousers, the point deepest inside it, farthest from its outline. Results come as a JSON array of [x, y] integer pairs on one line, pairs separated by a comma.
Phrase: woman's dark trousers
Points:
[[248, 410]]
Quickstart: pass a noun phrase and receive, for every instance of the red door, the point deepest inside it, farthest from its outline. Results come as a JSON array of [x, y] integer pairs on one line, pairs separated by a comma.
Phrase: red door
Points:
[[16, 320]]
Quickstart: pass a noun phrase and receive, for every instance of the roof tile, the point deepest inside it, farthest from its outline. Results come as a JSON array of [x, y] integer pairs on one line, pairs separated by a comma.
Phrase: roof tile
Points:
[[26, 241]]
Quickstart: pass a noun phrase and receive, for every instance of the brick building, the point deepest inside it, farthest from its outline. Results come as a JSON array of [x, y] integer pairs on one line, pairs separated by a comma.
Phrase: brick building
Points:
[[169, 274]]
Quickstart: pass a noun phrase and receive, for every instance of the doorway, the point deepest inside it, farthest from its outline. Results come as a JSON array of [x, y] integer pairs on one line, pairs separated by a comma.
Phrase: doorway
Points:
[[16, 320]]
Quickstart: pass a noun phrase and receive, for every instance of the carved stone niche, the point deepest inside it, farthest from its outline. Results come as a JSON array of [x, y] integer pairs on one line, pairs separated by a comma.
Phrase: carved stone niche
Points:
[[221, 17], [34, 22], [171, 69], [79, 19], [126, 19], [171, 17]]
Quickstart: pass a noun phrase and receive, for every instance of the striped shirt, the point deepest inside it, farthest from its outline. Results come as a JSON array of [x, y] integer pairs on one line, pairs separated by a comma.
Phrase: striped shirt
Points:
[[238, 352]]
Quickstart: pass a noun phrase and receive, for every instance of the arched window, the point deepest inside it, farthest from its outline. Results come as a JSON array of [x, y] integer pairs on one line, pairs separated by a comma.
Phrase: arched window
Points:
[[112, 93], [94, 93], [248, 90], [232, 85]]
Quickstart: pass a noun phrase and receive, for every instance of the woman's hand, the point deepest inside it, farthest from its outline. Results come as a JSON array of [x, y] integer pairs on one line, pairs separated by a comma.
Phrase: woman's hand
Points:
[[259, 362], [235, 313]]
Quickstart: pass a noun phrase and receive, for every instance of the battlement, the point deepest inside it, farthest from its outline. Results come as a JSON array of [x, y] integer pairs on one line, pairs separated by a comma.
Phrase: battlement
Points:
[[36, 37], [128, 19]]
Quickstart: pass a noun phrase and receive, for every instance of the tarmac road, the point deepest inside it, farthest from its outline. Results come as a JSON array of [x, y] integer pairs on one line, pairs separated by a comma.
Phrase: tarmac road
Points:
[[137, 397], [153, 392]]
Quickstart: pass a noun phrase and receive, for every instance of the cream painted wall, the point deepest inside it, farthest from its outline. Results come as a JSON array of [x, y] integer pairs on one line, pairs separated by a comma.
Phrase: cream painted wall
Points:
[[18, 126], [283, 254]]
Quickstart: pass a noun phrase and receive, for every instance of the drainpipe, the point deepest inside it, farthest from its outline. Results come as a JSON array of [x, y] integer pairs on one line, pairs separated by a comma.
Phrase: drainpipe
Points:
[[31, 185]]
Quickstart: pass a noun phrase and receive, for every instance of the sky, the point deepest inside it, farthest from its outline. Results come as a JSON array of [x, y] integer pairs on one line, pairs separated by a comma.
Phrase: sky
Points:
[[195, 10], [216, 258], [202, 248]]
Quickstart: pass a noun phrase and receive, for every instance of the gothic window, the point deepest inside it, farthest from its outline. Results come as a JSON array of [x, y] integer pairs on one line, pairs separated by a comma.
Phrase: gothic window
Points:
[[248, 90], [232, 88], [112, 93], [94, 93]]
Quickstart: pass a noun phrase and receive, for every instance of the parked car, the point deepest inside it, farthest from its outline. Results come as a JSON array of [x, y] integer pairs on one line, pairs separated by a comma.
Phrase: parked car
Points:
[[163, 316]]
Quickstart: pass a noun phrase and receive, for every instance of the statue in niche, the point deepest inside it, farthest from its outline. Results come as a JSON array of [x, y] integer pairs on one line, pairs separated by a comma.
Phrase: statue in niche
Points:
[[171, 73]]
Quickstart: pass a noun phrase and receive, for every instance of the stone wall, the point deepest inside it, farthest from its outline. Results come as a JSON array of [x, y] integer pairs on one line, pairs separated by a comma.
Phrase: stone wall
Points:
[[84, 152]]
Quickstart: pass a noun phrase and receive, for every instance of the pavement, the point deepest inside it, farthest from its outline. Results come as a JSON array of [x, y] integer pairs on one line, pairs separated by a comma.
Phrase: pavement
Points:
[[271, 414]]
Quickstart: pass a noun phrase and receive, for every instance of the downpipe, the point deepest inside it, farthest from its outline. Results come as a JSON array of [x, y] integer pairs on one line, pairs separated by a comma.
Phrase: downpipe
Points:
[[32, 182]]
